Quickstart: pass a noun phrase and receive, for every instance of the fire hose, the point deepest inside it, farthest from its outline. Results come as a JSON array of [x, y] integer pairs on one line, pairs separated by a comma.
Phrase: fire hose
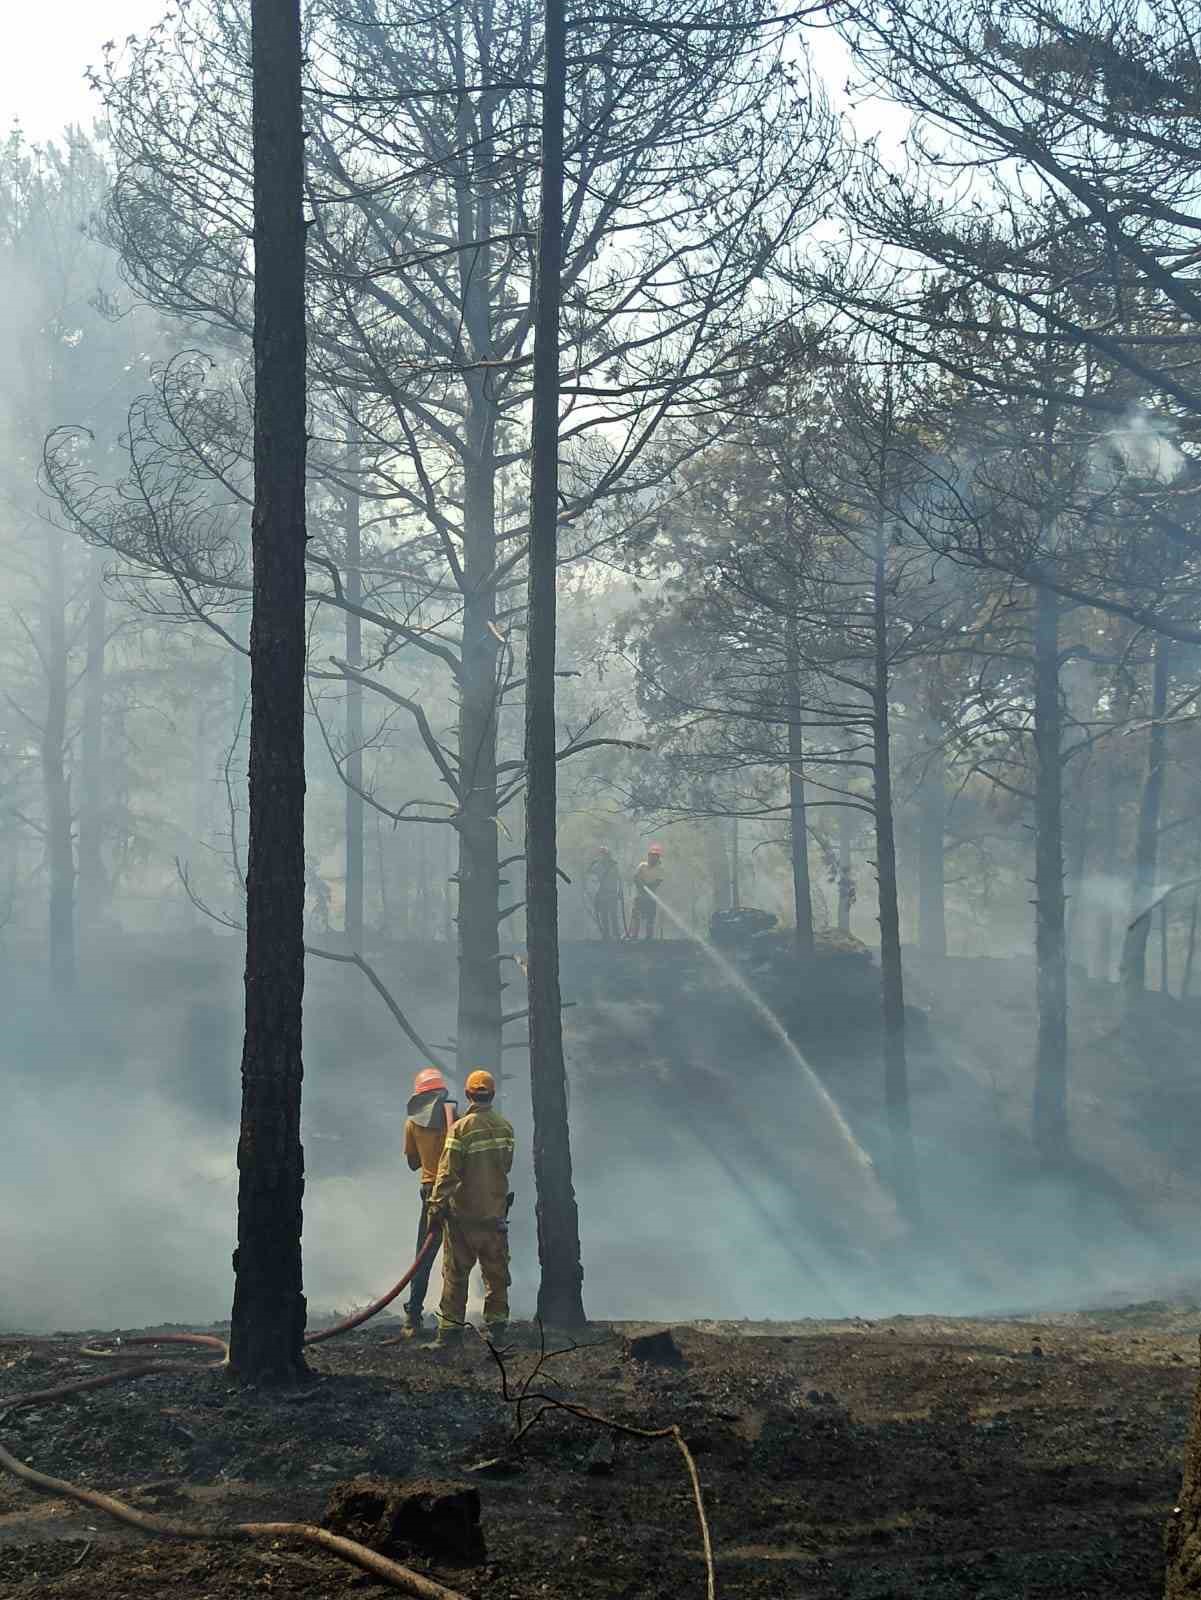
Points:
[[357, 1318], [358, 1555]]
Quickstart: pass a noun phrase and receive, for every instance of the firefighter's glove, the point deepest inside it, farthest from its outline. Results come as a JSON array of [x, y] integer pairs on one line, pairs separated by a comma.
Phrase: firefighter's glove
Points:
[[435, 1216]]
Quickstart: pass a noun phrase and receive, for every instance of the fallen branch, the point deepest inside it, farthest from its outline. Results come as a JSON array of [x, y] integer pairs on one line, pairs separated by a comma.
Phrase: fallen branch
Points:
[[358, 1555], [549, 1402], [391, 1572]]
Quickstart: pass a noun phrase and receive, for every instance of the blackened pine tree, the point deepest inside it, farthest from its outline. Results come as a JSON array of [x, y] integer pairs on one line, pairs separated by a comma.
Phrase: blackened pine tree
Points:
[[267, 1332], [560, 1302]]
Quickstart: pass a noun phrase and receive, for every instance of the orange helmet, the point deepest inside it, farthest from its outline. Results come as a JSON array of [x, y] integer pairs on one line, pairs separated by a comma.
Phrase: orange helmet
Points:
[[480, 1085], [428, 1078]]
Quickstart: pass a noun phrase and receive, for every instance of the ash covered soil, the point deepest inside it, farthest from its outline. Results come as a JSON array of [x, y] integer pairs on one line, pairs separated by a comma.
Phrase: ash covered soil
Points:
[[873, 1461]]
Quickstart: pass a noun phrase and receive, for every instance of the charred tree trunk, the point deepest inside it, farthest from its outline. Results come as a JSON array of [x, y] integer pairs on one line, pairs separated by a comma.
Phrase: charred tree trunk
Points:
[[1082, 822], [560, 1301], [892, 983], [931, 850], [1146, 850], [1051, 1065], [802, 896], [445, 902], [1186, 977], [846, 870], [352, 920], [267, 1329], [92, 882], [1163, 948], [479, 844], [479, 1007], [381, 867], [56, 782], [735, 865], [1111, 789]]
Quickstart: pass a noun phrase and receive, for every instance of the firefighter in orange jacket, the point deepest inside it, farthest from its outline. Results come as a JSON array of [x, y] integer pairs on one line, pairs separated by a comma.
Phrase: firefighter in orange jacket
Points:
[[471, 1197], [431, 1116]]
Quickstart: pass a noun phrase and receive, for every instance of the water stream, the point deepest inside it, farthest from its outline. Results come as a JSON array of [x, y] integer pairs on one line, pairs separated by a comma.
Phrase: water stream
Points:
[[854, 1150]]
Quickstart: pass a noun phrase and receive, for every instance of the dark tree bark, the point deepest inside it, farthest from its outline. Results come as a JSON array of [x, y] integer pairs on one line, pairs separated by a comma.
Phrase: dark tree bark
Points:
[[1186, 977], [444, 900], [846, 873], [560, 1301], [931, 849], [1110, 791], [892, 983], [735, 865], [479, 1025], [92, 882], [381, 868], [352, 920], [1051, 1064], [56, 782], [1146, 849], [267, 1331], [1163, 948], [479, 1006], [1081, 825], [802, 896]]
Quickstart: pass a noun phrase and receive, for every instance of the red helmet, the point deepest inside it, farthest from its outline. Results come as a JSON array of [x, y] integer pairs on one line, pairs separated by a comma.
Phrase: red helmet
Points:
[[428, 1078]]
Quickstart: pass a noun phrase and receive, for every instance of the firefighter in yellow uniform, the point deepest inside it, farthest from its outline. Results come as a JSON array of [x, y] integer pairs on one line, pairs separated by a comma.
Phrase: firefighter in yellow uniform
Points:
[[648, 879], [431, 1116], [471, 1198]]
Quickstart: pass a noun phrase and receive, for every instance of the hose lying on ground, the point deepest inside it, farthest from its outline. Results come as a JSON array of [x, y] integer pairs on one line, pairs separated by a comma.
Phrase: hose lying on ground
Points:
[[358, 1555], [357, 1318]]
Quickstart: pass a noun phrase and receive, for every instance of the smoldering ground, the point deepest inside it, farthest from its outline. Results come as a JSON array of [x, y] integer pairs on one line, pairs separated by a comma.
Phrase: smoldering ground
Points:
[[709, 1184]]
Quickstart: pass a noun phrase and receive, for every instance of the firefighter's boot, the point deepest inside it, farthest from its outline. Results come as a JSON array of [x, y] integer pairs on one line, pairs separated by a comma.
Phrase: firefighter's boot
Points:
[[449, 1341], [414, 1325]]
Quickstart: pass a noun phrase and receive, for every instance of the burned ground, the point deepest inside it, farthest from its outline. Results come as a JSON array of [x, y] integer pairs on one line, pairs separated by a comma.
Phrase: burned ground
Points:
[[864, 1460], [868, 1461]]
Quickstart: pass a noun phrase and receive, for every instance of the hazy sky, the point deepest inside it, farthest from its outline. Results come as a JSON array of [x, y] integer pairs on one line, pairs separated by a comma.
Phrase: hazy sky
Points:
[[47, 48]]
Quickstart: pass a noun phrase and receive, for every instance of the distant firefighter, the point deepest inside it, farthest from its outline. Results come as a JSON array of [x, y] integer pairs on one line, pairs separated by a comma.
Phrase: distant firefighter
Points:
[[605, 877], [471, 1198], [647, 881], [431, 1116]]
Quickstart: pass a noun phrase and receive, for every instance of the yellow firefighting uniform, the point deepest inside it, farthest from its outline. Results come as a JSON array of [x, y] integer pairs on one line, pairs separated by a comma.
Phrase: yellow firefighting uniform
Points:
[[424, 1144], [649, 876], [473, 1185], [425, 1139]]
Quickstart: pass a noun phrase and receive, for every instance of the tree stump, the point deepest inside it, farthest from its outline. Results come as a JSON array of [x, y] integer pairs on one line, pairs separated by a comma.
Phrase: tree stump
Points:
[[656, 1349], [397, 1518]]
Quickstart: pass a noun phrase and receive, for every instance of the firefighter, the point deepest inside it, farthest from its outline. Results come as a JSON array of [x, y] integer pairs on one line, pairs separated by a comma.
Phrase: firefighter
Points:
[[647, 880], [431, 1116], [471, 1198], [606, 899]]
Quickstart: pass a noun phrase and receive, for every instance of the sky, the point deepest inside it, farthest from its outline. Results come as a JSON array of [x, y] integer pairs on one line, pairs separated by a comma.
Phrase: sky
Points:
[[47, 50]]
